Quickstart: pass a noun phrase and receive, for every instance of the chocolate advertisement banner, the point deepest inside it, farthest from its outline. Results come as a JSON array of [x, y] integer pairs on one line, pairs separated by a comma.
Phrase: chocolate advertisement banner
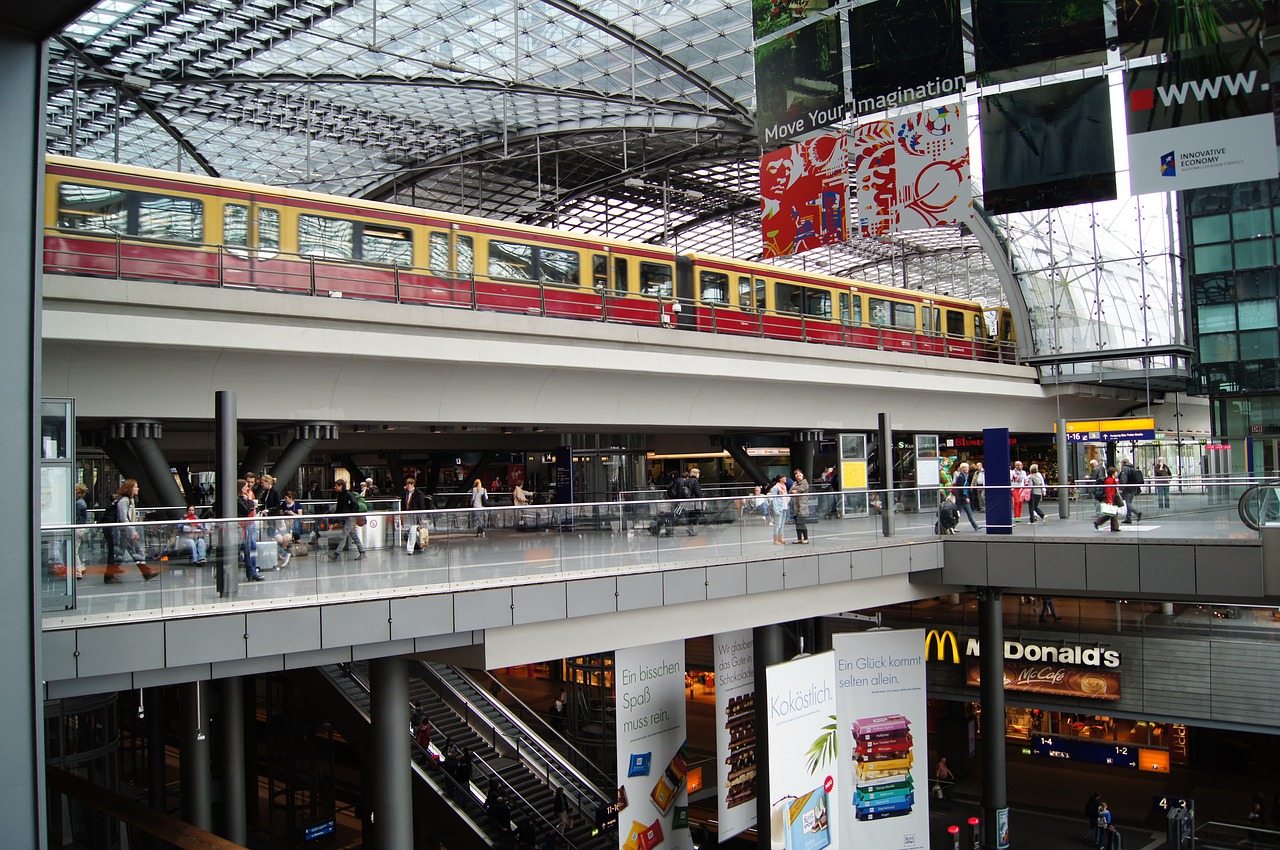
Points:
[[652, 757], [735, 731], [803, 191], [1204, 120], [1057, 679], [803, 787], [911, 172], [882, 739]]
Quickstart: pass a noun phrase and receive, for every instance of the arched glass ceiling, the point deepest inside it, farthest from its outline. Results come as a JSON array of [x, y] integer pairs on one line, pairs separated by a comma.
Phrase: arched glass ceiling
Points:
[[632, 119]]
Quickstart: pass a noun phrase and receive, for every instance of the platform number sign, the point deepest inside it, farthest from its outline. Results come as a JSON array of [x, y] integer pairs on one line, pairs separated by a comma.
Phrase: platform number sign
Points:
[[1163, 802]]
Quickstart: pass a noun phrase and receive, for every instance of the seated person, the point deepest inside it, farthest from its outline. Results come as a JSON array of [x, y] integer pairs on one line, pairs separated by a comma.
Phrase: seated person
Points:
[[192, 534], [757, 503]]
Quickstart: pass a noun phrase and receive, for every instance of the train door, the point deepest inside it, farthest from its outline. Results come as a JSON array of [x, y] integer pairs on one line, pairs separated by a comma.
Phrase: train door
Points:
[[686, 295]]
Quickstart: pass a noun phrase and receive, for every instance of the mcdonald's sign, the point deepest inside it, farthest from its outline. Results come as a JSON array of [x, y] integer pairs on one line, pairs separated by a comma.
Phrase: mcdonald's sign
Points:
[[939, 641]]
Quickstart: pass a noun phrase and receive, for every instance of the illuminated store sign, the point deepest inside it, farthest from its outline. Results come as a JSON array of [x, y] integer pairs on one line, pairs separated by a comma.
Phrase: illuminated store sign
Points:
[[941, 645]]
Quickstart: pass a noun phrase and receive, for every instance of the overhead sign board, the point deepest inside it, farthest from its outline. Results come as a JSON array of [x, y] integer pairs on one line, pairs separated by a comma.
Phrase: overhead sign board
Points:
[[1106, 430]]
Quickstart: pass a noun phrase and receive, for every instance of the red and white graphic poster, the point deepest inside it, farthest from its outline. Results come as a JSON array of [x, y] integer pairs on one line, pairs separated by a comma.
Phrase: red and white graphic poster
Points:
[[912, 171], [803, 191]]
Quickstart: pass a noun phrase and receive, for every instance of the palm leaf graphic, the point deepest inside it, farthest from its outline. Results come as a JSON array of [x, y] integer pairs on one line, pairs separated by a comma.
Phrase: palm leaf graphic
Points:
[[823, 749]]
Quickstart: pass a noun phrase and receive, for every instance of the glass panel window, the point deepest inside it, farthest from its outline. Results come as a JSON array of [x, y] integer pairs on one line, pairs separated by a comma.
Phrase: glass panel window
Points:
[[93, 208], [744, 293], [955, 323], [558, 267], [904, 316], [1248, 224], [715, 287], [235, 226], [789, 298], [1217, 348], [1253, 254], [511, 260], [817, 302], [328, 238], [390, 245], [176, 219], [1257, 314], [1210, 228], [1260, 345], [1216, 318], [1212, 258], [881, 312], [599, 272], [268, 231], [620, 283], [466, 247], [844, 307], [762, 290], [857, 309], [655, 280], [438, 252]]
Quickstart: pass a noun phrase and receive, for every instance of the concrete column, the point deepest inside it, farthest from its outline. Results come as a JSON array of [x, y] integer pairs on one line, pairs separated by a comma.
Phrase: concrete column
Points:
[[22, 60], [769, 646], [166, 490], [157, 779], [995, 804], [1064, 473], [197, 805], [297, 452], [228, 579], [231, 760], [255, 457], [392, 773]]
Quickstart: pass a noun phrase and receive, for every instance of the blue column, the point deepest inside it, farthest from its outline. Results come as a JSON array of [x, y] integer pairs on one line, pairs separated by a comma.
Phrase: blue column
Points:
[[995, 460]]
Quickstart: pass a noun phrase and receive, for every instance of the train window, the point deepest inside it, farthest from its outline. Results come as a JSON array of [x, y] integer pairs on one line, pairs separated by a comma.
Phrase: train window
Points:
[[979, 328], [620, 284], [177, 219], [510, 260], [744, 293], [330, 238], [655, 280], [438, 252], [844, 307], [802, 299], [599, 272], [892, 314], [857, 310], [762, 289], [930, 319], [268, 231], [558, 267], [788, 298], [93, 208], [715, 287], [466, 248], [955, 323], [817, 302], [392, 246], [235, 230]]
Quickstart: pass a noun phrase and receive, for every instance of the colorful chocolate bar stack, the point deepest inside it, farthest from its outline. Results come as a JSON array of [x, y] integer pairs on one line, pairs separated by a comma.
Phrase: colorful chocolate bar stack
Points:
[[882, 758], [740, 780], [672, 779]]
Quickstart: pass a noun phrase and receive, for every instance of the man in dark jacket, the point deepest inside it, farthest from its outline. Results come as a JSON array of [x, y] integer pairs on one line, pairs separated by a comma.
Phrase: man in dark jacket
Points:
[[1130, 487], [1091, 807], [411, 499], [346, 504]]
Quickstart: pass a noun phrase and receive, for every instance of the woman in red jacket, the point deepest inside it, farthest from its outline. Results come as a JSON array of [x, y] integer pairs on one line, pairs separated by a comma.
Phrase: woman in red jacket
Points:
[[1110, 496]]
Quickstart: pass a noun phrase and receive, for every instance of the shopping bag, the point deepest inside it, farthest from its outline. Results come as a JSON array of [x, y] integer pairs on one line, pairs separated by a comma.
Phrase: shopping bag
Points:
[[424, 536]]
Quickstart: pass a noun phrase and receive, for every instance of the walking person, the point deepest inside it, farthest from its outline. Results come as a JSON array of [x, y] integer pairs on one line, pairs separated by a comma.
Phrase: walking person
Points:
[[800, 506], [944, 779], [1130, 487], [80, 534], [1091, 807], [411, 499], [1163, 475], [125, 540], [564, 814], [346, 504], [1047, 609], [1018, 483], [1035, 480], [977, 487], [1110, 502], [962, 489], [479, 498], [1104, 826]]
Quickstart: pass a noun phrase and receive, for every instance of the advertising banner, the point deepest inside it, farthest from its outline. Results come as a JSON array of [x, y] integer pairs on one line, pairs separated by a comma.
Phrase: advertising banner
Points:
[[882, 743], [736, 731], [803, 191], [911, 172], [653, 762], [1204, 120], [904, 51], [1056, 679], [800, 79], [803, 787]]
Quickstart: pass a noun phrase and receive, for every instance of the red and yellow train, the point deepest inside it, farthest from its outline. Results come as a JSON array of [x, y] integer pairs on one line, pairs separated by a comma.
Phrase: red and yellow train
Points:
[[138, 223]]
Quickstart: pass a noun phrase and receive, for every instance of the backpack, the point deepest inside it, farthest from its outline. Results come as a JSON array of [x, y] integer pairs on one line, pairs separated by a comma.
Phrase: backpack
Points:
[[679, 489], [361, 503], [1135, 476], [111, 513]]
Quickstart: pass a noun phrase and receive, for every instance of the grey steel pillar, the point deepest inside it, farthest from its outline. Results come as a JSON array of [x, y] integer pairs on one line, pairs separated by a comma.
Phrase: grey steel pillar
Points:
[[1064, 473], [224, 402], [769, 645], [296, 453], [392, 773], [197, 804], [231, 760], [886, 464], [22, 59], [255, 456], [802, 451], [746, 462], [157, 796], [995, 803], [165, 487], [126, 462]]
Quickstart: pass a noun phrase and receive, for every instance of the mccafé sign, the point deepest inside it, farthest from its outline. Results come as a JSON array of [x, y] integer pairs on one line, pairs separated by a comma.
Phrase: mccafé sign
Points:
[[942, 645]]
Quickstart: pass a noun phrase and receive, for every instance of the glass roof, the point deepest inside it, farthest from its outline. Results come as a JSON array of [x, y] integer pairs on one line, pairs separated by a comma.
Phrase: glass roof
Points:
[[631, 118]]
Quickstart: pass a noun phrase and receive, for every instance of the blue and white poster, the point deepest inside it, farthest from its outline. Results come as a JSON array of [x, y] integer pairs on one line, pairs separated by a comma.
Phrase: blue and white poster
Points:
[[881, 740], [803, 782], [652, 758]]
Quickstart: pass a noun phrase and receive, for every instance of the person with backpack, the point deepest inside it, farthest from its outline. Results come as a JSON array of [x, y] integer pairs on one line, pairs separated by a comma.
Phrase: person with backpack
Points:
[[1130, 487], [124, 539], [680, 492], [347, 504]]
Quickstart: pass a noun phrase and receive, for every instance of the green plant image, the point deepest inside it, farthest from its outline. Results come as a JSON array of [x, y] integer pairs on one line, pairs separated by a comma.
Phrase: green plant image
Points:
[[823, 749]]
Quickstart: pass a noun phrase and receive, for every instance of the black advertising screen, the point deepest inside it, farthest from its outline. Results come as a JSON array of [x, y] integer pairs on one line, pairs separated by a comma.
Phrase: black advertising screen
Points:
[[1150, 27], [903, 51], [799, 82], [1047, 147], [1030, 36]]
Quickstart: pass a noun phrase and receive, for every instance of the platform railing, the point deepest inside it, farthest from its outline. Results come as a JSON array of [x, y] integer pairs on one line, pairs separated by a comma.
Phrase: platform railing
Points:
[[303, 274], [167, 567]]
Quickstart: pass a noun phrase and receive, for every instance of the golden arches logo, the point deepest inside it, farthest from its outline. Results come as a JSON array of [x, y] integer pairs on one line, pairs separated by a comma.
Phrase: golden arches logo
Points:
[[939, 641]]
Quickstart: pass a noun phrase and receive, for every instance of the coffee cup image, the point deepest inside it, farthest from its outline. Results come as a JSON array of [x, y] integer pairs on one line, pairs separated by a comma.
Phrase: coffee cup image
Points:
[[1093, 685]]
